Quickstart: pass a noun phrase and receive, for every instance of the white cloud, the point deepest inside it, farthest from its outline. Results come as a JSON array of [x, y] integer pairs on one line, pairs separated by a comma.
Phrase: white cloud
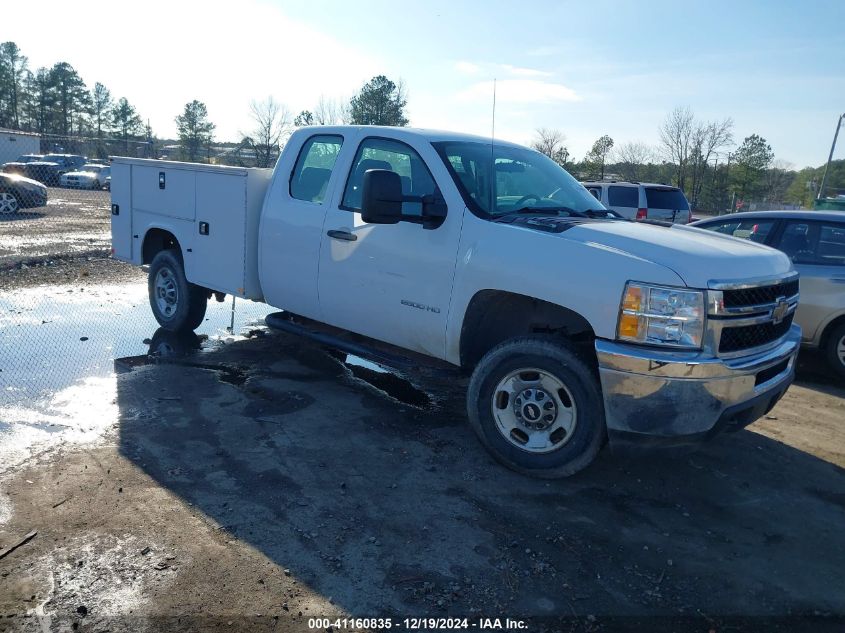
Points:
[[468, 68], [520, 91], [222, 53], [525, 72]]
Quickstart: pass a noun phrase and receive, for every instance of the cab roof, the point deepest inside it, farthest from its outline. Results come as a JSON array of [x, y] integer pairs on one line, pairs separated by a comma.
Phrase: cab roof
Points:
[[432, 136]]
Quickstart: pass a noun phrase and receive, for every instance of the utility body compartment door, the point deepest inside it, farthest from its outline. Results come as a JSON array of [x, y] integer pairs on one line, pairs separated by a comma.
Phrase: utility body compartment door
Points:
[[218, 258], [165, 190], [121, 212]]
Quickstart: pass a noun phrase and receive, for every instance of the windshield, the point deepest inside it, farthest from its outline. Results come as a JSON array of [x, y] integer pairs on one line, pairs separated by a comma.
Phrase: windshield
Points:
[[524, 180]]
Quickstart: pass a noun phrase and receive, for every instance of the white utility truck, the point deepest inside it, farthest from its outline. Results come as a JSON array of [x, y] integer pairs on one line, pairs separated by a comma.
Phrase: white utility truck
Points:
[[412, 246]]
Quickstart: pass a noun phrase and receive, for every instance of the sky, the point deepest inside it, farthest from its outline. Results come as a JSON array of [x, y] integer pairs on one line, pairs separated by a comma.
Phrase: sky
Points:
[[586, 68]]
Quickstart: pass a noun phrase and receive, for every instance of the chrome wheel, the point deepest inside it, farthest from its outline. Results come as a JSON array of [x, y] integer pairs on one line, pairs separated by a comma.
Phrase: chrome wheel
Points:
[[840, 350], [534, 410], [8, 203], [166, 292]]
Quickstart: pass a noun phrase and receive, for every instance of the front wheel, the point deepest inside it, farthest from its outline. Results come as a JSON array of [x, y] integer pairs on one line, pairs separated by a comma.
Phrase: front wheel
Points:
[[177, 304], [835, 350], [537, 407], [9, 203]]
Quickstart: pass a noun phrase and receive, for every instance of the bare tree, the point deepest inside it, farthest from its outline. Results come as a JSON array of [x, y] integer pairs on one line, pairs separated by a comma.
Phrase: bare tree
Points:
[[676, 139], [632, 158], [707, 139], [331, 112], [551, 143], [777, 179], [272, 125]]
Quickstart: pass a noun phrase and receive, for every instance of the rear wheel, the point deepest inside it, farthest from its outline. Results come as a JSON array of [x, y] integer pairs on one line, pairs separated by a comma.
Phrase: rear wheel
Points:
[[9, 203], [177, 304], [537, 407], [835, 350]]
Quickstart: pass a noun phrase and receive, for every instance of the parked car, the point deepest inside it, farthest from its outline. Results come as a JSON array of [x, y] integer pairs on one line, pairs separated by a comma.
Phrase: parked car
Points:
[[16, 167], [642, 200], [44, 172], [18, 192], [815, 242], [66, 162], [29, 158], [88, 177], [574, 324]]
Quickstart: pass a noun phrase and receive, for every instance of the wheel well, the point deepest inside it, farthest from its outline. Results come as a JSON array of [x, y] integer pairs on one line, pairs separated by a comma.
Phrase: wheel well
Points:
[[494, 316], [829, 329], [158, 240]]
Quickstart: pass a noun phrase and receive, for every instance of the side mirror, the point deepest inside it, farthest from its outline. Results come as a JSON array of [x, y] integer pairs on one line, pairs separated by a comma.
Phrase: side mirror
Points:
[[381, 201]]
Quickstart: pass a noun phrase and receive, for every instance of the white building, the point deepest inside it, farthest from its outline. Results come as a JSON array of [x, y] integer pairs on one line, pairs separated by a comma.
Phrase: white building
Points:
[[14, 143]]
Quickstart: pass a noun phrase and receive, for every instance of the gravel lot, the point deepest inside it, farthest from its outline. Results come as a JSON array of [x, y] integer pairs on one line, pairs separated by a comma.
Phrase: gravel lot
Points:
[[264, 481], [74, 223]]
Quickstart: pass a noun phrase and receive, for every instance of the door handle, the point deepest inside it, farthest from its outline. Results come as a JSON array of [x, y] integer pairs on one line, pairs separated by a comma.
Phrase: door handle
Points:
[[346, 236]]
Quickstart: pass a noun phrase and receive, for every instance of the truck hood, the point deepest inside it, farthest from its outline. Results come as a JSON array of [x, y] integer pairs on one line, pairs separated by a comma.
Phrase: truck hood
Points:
[[698, 256]]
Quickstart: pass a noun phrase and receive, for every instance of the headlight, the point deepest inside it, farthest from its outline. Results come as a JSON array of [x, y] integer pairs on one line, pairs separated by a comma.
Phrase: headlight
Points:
[[659, 315]]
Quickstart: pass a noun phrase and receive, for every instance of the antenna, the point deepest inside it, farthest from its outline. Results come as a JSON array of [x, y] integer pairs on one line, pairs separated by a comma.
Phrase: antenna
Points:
[[493, 129], [492, 156]]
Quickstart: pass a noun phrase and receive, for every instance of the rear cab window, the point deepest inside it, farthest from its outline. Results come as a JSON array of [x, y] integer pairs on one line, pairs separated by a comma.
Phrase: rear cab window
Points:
[[618, 196], [313, 168]]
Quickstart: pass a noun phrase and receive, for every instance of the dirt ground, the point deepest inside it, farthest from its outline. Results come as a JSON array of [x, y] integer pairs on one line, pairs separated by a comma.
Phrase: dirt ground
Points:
[[265, 481]]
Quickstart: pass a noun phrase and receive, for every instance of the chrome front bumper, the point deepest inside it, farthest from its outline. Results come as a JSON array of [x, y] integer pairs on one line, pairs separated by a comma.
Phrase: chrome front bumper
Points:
[[656, 396]]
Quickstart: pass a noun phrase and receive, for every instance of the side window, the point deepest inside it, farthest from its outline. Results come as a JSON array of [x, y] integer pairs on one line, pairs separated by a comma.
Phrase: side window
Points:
[[831, 246], [596, 192], [623, 196], [313, 168], [814, 243], [797, 241], [378, 153], [754, 230]]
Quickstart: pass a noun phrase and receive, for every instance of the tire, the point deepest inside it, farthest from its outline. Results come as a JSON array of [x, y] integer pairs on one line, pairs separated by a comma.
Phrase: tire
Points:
[[177, 304], [9, 203], [569, 389], [834, 350], [96, 185]]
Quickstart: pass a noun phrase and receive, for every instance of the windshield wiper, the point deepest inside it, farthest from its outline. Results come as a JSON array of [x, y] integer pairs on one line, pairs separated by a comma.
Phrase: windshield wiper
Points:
[[603, 213]]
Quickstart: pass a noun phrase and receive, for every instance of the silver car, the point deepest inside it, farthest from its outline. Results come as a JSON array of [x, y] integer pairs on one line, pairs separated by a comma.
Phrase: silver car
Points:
[[815, 240]]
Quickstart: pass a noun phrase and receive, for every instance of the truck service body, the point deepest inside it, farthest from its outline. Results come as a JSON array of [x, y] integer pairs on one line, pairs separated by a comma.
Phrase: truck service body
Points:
[[575, 324]]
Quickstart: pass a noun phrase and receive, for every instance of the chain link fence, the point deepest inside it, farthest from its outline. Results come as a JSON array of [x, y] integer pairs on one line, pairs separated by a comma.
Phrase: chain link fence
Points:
[[68, 311]]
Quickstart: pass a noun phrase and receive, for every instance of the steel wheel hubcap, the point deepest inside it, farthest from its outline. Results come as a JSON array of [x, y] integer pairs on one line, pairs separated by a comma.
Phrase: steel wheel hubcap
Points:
[[8, 203], [534, 410], [840, 350], [166, 292]]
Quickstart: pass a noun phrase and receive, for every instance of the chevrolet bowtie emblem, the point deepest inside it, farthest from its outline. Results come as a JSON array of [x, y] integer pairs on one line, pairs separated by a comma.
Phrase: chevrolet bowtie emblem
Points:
[[780, 310]]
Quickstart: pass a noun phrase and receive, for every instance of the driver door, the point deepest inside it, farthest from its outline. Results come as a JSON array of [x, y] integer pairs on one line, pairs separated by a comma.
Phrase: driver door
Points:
[[391, 282]]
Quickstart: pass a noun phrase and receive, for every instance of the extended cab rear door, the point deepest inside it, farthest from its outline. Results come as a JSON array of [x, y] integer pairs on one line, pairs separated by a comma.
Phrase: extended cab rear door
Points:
[[293, 218], [391, 282]]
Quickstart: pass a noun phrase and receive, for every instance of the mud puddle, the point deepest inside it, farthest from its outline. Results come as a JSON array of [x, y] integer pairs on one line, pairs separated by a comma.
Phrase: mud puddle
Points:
[[58, 347]]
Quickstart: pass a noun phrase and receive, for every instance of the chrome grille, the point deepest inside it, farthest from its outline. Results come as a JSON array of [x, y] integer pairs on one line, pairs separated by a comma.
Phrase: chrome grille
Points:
[[735, 339], [757, 296], [748, 317]]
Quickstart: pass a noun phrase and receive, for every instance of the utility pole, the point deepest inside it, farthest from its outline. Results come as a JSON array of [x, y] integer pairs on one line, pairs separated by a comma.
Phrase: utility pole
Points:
[[830, 156]]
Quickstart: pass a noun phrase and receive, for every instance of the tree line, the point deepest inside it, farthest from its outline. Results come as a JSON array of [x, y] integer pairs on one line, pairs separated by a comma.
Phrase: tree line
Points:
[[702, 158]]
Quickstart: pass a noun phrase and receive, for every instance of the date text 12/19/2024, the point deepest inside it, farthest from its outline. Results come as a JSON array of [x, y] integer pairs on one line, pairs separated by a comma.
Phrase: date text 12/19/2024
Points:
[[418, 624]]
